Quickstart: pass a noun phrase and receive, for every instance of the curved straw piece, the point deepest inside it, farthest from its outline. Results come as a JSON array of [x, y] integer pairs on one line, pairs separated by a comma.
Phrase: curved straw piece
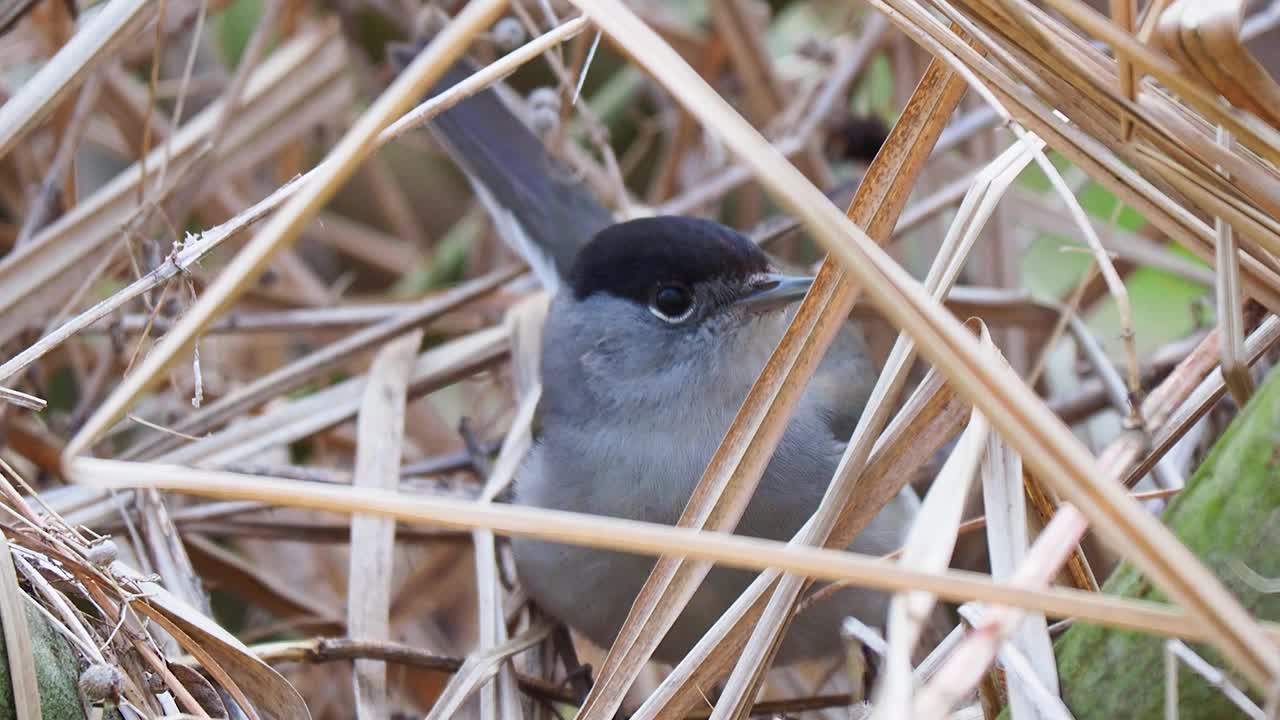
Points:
[[1206, 38]]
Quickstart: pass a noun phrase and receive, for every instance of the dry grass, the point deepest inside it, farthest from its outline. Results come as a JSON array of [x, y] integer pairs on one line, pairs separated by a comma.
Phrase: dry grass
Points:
[[262, 405]]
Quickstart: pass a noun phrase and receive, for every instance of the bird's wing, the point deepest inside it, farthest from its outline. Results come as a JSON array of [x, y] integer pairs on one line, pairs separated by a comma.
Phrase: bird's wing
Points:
[[539, 207]]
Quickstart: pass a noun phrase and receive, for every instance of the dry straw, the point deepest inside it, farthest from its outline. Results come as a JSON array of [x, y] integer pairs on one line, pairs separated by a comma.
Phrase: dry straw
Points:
[[1045, 443], [1187, 137]]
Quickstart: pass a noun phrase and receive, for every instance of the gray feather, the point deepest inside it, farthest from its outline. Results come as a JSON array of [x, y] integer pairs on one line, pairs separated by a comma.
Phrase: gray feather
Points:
[[540, 208]]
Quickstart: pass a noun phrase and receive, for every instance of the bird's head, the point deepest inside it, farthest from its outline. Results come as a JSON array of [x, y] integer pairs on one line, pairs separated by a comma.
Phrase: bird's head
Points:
[[652, 296]]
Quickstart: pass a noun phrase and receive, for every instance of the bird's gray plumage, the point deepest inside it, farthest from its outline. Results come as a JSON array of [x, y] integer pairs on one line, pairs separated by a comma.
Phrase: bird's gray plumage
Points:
[[626, 429], [633, 408]]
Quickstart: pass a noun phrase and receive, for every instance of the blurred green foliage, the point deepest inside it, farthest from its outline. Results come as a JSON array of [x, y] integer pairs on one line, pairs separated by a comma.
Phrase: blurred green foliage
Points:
[[234, 25], [1164, 305]]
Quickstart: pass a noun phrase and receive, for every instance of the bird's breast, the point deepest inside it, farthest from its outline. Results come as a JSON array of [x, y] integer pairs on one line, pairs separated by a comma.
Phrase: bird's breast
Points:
[[633, 467]]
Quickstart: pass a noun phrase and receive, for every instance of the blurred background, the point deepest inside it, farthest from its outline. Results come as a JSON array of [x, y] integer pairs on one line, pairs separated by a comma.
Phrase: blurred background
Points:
[[209, 106]]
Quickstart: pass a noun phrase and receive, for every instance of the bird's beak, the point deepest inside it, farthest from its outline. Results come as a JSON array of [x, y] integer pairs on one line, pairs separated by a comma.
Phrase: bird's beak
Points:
[[773, 291]]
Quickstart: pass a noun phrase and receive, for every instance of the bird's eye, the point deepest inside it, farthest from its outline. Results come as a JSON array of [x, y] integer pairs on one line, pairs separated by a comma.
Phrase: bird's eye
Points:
[[671, 302]]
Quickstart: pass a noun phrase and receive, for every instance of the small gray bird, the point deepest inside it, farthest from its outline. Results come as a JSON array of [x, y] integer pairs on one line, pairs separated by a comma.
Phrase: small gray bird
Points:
[[648, 352], [658, 328]]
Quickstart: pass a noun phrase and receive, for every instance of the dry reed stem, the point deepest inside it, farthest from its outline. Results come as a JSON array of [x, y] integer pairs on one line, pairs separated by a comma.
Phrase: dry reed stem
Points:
[[1230, 302], [38, 97], [1122, 244], [1045, 444], [524, 330], [287, 89], [380, 431], [325, 408], [1188, 400], [187, 256], [1215, 678], [284, 226], [167, 553], [231, 662], [930, 417], [261, 586], [1205, 39], [40, 348], [1007, 545], [17, 639], [56, 547], [60, 178], [929, 546], [482, 78], [1198, 188], [1006, 620], [1258, 136], [231, 104], [967, 664], [650, 539], [368, 245], [1043, 701], [303, 370], [1084, 150], [1115, 286], [895, 167], [318, 650], [21, 399], [731, 477], [480, 667], [1091, 351], [765, 95], [1045, 506], [66, 614], [1123, 14], [523, 326]]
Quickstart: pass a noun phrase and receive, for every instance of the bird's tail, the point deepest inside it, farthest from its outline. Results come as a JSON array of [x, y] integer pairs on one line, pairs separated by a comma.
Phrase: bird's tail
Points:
[[539, 207]]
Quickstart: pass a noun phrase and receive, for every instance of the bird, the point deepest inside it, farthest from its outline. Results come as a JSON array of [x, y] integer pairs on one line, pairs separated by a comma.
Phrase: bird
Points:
[[657, 329]]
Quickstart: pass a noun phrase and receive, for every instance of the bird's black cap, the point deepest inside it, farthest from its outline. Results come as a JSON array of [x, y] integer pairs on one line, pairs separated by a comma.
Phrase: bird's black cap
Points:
[[629, 259]]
